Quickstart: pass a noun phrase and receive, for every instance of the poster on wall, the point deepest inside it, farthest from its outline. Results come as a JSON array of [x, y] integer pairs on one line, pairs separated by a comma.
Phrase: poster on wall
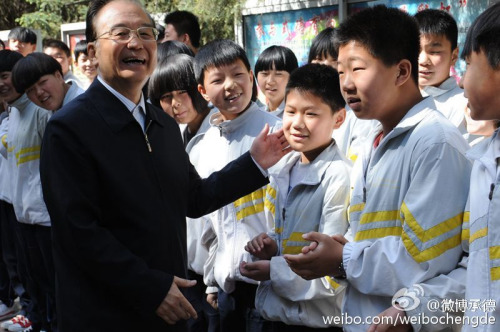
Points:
[[294, 29], [464, 12]]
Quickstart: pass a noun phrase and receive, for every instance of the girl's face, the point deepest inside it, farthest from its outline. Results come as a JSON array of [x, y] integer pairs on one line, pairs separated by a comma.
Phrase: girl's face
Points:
[[272, 83], [178, 104], [328, 60]]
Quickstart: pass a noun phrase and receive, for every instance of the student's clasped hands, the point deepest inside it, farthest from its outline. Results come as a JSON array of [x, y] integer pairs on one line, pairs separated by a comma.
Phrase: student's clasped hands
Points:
[[263, 247], [321, 258]]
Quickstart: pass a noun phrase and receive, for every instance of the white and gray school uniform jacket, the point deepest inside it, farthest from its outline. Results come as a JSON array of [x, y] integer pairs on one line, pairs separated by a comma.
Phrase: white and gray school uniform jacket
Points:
[[450, 101], [74, 91], [353, 134], [407, 208], [197, 248], [237, 223], [278, 111], [318, 203], [69, 77], [5, 178], [23, 140], [476, 280]]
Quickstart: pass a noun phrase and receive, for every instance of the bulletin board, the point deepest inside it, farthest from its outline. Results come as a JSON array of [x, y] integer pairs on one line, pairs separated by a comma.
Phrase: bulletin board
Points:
[[294, 29]]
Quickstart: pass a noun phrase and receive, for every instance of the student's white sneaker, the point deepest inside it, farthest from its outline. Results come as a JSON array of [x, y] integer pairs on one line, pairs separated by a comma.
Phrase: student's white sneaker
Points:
[[18, 324], [7, 312]]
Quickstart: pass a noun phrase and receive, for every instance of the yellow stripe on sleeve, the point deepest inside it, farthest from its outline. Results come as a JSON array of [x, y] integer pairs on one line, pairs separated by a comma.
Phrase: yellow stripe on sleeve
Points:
[[332, 282], [433, 232], [378, 233], [479, 234], [495, 252], [495, 273]]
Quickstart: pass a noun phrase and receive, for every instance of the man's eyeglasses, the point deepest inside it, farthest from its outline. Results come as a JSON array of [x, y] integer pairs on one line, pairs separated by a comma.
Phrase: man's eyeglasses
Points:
[[124, 34]]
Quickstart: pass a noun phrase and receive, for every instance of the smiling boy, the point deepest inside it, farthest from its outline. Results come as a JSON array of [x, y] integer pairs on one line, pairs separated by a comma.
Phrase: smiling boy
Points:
[[40, 76], [413, 159], [226, 80], [308, 191]]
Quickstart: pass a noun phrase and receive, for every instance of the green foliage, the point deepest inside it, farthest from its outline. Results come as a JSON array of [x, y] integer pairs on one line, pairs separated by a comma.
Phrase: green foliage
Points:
[[50, 14]]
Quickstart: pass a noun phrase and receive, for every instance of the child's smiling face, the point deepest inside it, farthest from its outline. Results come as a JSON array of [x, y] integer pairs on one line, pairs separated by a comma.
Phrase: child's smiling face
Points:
[[229, 88]]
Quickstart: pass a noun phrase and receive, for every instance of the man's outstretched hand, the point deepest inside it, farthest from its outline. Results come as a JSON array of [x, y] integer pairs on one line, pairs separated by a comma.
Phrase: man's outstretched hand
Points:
[[267, 150]]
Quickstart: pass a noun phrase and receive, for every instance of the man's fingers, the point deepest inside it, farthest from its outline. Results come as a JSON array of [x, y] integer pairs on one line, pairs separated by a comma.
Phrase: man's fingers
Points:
[[185, 283], [188, 309]]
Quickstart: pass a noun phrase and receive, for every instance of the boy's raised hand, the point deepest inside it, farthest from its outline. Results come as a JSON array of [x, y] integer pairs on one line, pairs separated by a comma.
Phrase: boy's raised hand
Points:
[[321, 258], [260, 270], [393, 321], [267, 150], [262, 246]]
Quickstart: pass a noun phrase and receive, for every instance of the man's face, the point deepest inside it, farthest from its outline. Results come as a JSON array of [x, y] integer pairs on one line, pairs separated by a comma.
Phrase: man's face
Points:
[[7, 91], [60, 56], [481, 83], [21, 47], [48, 92], [435, 59], [123, 64]]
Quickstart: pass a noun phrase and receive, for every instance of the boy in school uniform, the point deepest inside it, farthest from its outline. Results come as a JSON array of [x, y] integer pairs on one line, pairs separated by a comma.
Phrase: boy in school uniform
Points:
[[225, 79], [438, 53], [308, 191], [22, 40], [40, 76], [477, 277], [61, 52], [21, 141], [410, 182]]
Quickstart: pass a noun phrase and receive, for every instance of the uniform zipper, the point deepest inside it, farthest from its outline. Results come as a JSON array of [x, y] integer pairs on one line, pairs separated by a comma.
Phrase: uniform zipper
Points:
[[146, 136]]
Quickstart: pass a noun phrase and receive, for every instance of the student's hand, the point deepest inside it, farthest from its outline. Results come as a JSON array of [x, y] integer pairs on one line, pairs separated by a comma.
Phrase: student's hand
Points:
[[317, 260], [213, 300], [267, 150], [340, 239], [175, 306], [262, 246], [260, 270], [392, 324]]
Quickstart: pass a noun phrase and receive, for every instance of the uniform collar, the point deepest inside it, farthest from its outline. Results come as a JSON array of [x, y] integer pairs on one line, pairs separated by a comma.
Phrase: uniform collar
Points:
[[446, 86], [229, 126]]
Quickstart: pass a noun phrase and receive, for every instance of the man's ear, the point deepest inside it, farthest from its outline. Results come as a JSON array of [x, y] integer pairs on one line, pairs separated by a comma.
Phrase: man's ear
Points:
[[203, 92], [340, 118], [404, 72], [454, 56], [91, 51]]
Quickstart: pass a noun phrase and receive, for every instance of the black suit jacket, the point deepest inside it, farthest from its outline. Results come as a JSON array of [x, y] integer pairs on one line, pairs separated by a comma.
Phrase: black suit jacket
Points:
[[118, 210]]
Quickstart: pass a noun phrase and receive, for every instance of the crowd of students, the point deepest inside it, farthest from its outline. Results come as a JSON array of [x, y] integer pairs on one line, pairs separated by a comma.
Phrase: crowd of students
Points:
[[391, 184]]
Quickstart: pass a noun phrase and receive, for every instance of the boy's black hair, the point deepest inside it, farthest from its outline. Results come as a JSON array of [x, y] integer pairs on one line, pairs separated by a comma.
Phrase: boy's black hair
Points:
[[2, 44], [484, 35], [28, 70], [8, 59], [94, 7], [438, 23], [323, 45], [176, 73], [319, 80], [24, 35], [388, 34], [161, 31], [279, 57], [54, 43], [172, 47], [217, 53], [80, 47], [185, 22]]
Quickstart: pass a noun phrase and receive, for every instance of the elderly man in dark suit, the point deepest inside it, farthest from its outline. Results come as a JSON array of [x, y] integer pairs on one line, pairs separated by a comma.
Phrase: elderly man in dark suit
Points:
[[118, 186]]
